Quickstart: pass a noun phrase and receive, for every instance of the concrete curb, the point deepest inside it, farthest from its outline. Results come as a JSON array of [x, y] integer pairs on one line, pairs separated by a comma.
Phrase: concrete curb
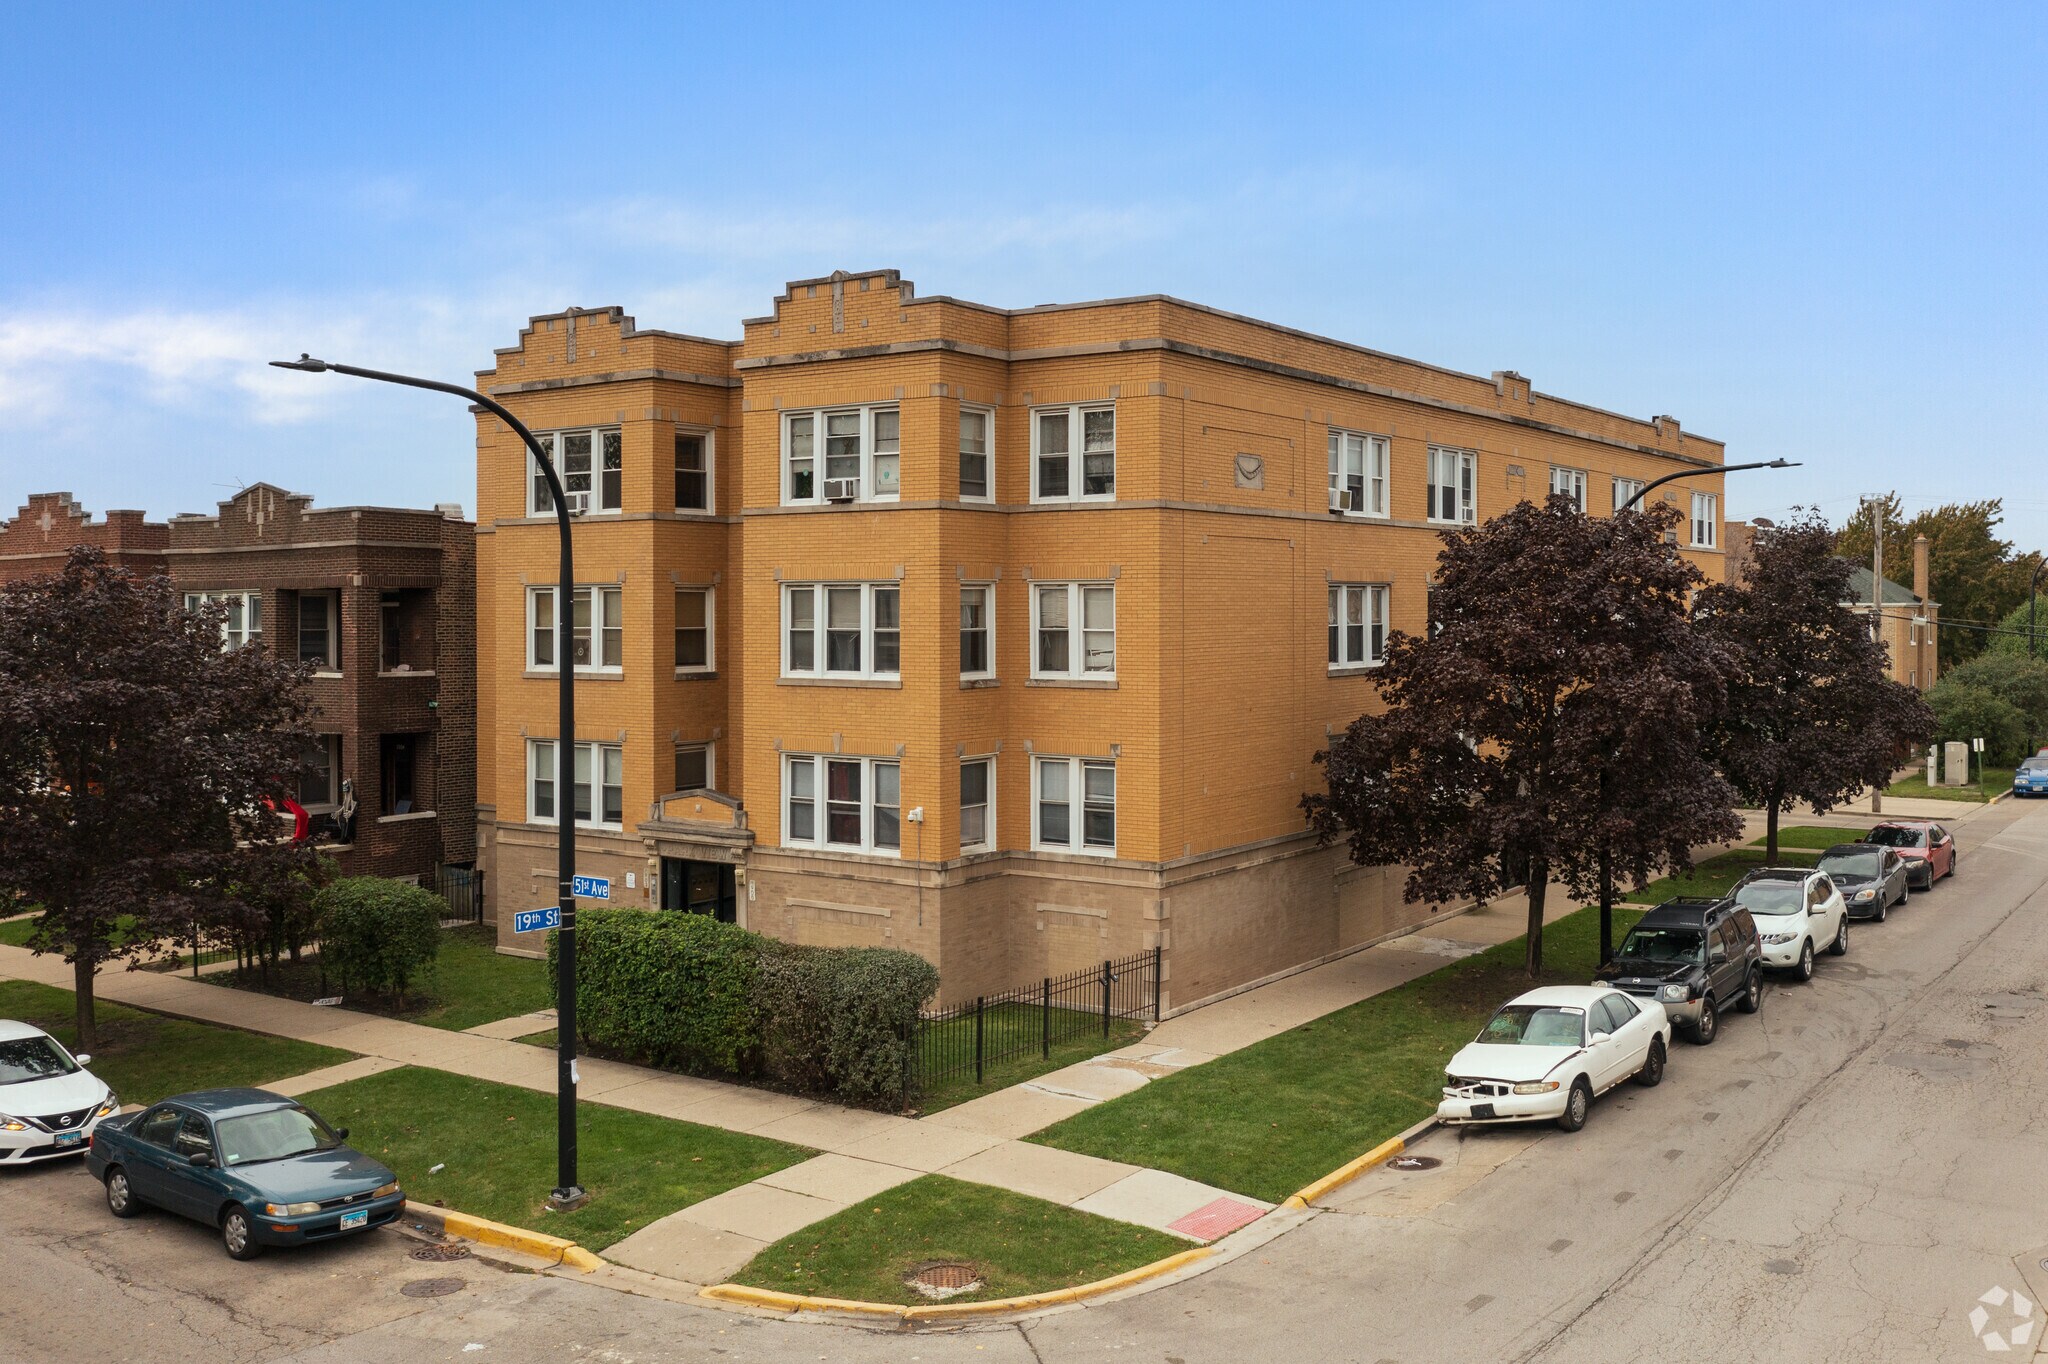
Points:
[[940, 1312], [1352, 1169], [554, 1249]]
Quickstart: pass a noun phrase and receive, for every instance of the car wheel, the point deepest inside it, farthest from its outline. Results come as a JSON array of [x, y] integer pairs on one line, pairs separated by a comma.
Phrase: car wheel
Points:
[[1804, 970], [121, 1199], [1652, 1073], [1905, 891], [1752, 993], [238, 1234], [1884, 907], [1840, 946], [1709, 1027], [1576, 1105], [1952, 860]]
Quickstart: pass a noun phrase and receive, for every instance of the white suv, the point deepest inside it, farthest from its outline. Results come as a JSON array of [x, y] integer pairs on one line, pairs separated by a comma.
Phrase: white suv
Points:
[[1798, 912]]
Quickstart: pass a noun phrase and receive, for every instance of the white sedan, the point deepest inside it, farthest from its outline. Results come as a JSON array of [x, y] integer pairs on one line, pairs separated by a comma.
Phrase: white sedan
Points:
[[49, 1101], [1547, 1053]]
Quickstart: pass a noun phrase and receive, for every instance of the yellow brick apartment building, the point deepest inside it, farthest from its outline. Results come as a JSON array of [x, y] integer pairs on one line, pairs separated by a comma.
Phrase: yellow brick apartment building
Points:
[[1005, 636]]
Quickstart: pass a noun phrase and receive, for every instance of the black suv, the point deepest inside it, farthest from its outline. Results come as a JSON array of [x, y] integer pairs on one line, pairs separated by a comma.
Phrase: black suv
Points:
[[1694, 957]]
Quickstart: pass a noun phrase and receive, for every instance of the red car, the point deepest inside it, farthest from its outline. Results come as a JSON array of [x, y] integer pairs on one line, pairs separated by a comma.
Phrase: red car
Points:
[[1929, 849]]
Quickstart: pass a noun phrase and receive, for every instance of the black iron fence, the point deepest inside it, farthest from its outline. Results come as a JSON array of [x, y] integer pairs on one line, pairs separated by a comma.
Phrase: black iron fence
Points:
[[462, 888], [1031, 1020]]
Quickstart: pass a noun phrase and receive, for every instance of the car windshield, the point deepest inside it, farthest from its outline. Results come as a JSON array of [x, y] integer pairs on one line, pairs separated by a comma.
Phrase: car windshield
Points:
[[32, 1058], [1892, 836], [1664, 944], [2035, 765], [1856, 866], [1772, 897], [275, 1135], [1534, 1025]]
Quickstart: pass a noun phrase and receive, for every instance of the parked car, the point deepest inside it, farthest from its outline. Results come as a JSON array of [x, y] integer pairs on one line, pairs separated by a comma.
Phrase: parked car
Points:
[[1871, 877], [1929, 849], [2032, 777], [1695, 958], [1797, 911], [49, 1102], [260, 1167], [1546, 1054]]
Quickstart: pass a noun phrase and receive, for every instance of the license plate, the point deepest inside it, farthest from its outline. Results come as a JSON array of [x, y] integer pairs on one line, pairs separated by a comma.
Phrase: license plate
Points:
[[1482, 1110], [69, 1138], [350, 1221]]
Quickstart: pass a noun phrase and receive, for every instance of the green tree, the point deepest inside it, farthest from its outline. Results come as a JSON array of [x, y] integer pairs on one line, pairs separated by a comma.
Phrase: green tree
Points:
[[1964, 713], [1972, 573], [2012, 636], [2020, 682]]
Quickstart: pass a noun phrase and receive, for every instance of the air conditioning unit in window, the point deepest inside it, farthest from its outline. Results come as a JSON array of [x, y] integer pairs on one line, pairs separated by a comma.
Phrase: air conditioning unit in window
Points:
[[842, 489], [1347, 501], [579, 503]]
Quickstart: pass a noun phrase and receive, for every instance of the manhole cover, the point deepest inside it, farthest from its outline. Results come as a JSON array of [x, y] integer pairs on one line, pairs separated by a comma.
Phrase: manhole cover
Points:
[[433, 1288], [944, 1278], [1413, 1163], [439, 1254]]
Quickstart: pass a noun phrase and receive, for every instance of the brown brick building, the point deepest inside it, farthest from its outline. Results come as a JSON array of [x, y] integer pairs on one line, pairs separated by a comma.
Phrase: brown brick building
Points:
[[381, 602], [1006, 636]]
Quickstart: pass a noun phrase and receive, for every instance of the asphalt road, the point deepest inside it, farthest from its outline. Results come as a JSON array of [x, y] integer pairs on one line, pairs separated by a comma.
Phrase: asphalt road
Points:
[[1840, 1177]]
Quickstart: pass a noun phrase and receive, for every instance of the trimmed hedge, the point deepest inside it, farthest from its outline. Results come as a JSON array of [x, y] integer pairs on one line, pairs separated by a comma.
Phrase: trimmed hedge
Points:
[[377, 934], [686, 992]]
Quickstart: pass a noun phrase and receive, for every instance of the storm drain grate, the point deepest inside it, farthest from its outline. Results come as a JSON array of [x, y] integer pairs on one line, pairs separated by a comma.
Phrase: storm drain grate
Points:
[[943, 1278], [433, 1288], [1413, 1163], [442, 1253]]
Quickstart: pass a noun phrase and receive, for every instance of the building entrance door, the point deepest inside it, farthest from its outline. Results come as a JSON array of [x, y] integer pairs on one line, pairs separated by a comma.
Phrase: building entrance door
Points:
[[699, 888]]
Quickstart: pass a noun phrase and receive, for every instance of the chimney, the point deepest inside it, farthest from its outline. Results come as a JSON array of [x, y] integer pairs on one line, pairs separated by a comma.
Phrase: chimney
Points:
[[1920, 567]]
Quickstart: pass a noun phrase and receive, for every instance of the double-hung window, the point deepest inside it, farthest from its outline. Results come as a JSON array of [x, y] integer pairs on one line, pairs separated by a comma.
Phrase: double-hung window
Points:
[[1073, 453], [1358, 625], [977, 630], [1062, 785], [850, 630], [693, 767], [598, 782], [977, 804], [1626, 490], [1570, 482], [694, 625], [977, 472], [847, 804], [1358, 473], [1453, 486], [596, 629], [319, 767], [1073, 627], [319, 639], [243, 624], [591, 464], [693, 471], [847, 454], [1706, 520]]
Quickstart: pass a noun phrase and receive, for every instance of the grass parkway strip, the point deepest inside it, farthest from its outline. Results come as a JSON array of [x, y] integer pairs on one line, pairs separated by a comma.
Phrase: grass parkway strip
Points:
[[470, 983]]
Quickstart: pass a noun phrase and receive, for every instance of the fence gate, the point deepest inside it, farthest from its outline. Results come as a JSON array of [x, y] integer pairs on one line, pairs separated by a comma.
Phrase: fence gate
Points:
[[462, 890]]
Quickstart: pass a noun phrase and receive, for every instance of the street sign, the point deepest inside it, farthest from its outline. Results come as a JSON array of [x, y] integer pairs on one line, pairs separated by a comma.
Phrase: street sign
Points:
[[592, 887], [534, 920], [1976, 745]]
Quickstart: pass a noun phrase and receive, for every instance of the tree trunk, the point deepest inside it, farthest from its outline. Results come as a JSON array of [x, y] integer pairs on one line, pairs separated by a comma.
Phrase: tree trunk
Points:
[[81, 988], [1606, 907], [1771, 832], [1539, 883]]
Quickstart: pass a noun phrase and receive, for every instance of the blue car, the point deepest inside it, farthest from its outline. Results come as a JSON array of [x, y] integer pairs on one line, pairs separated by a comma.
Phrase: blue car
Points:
[[2032, 778], [263, 1169]]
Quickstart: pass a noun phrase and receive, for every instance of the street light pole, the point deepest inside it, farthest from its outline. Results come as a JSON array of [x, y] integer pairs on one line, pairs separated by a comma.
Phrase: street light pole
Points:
[[1703, 471], [567, 1192]]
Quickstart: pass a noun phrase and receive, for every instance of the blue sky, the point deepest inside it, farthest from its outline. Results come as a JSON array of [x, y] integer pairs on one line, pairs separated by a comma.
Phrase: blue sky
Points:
[[1811, 231]]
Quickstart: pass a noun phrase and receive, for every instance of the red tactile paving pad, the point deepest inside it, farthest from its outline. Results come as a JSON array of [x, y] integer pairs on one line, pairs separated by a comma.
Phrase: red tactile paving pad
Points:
[[1220, 1218]]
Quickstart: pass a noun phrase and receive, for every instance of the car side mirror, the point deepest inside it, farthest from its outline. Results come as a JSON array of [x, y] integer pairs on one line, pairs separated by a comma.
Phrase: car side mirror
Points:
[[341, 1132], [1599, 1036], [200, 1161], [84, 1058]]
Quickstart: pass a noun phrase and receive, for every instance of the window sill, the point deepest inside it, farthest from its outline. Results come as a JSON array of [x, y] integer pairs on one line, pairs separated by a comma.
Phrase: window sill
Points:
[[1439, 521], [976, 683], [1360, 516], [883, 683], [1080, 683], [1064, 851], [696, 674], [1096, 500], [405, 672], [326, 675], [582, 674], [407, 817], [582, 826], [697, 513], [836, 850], [1353, 669], [820, 504]]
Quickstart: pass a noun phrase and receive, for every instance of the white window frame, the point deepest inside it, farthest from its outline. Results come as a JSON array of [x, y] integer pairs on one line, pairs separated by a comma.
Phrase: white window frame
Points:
[[1463, 467], [817, 416], [1626, 488], [539, 768], [602, 596], [231, 638], [987, 841], [1706, 512], [1373, 472], [820, 766], [1077, 803], [708, 437], [710, 596], [1570, 482], [709, 748], [1077, 645], [987, 592], [1371, 599], [820, 597], [987, 455], [330, 600], [538, 500], [1075, 454]]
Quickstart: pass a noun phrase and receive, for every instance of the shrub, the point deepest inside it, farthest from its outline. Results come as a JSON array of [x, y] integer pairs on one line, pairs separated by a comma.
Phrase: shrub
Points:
[[2021, 683], [843, 1020], [1967, 713], [376, 934]]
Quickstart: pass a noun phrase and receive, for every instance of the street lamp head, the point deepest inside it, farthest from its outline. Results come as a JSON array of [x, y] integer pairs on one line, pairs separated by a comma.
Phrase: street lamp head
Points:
[[304, 362], [1782, 463]]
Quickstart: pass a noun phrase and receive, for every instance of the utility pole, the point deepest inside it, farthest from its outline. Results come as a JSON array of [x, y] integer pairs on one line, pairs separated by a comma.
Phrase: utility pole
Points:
[[1876, 506]]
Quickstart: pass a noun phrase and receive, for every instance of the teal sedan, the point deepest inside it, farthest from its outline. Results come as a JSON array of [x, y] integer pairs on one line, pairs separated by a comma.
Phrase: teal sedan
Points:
[[263, 1169]]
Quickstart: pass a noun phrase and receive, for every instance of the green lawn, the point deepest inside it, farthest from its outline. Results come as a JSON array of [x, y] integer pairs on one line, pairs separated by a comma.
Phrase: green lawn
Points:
[[146, 1057], [496, 1144], [1283, 1112], [1716, 876], [1993, 781], [1813, 837], [15, 932], [471, 984], [959, 1042], [1020, 1245]]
